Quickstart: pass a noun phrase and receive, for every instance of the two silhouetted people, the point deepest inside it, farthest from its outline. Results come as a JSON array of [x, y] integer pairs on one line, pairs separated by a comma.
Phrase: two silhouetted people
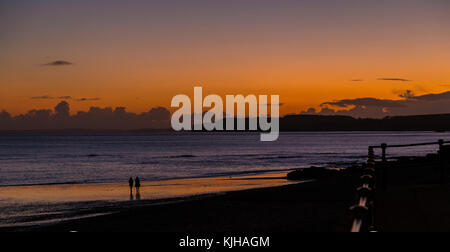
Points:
[[135, 183]]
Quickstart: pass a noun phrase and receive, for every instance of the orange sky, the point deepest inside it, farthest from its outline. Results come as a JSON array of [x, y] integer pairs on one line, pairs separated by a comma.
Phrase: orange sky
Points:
[[139, 55]]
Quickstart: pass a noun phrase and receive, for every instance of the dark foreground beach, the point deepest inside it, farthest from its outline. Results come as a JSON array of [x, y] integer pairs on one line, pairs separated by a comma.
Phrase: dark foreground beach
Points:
[[320, 206]]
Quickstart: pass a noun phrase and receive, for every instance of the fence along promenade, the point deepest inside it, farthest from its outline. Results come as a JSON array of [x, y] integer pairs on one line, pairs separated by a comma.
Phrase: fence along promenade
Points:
[[374, 177]]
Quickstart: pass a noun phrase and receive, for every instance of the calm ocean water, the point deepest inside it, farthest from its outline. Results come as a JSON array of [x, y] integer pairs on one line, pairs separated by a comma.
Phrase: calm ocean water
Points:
[[31, 159]]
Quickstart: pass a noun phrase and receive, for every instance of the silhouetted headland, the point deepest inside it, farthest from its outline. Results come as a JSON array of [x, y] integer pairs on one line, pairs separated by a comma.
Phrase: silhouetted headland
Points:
[[288, 123]]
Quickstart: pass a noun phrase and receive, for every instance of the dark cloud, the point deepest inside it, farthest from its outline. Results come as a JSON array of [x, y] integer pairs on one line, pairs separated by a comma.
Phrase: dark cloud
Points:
[[365, 102], [58, 63], [62, 110], [44, 97], [48, 97], [269, 104], [409, 104], [159, 113], [393, 79], [357, 80], [406, 94], [434, 97], [88, 99], [95, 118]]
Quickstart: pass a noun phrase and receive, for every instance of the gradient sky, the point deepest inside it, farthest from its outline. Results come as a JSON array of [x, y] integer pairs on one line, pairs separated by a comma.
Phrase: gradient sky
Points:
[[139, 54]]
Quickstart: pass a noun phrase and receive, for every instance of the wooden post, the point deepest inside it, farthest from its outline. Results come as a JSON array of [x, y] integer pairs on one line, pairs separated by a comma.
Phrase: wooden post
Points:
[[371, 156], [384, 167], [443, 163], [383, 150]]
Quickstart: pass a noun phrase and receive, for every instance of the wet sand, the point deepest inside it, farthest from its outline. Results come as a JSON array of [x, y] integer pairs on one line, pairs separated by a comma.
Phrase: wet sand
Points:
[[148, 191]]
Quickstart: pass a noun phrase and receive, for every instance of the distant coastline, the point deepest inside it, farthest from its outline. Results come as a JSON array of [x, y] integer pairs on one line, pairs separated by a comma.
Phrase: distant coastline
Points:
[[300, 123]]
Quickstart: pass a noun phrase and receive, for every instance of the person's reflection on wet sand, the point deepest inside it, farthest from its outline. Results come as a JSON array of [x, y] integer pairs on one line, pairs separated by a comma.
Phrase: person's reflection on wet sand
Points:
[[138, 188], [131, 183], [138, 195]]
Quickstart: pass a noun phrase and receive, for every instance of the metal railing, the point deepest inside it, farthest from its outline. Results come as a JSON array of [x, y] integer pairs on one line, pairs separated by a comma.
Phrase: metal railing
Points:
[[384, 147], [364, 211], [361, 210]]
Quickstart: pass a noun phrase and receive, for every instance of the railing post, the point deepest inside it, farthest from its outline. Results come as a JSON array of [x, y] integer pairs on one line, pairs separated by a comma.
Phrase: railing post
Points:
[[383, 152], [443, 163], [384, 167], [371, 156]]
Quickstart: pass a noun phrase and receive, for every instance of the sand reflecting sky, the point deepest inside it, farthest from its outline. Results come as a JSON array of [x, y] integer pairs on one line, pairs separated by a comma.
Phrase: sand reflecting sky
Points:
[[148, 191]]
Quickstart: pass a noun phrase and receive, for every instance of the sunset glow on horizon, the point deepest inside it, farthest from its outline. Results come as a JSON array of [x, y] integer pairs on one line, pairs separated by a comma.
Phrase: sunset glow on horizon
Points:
[[139, 54]]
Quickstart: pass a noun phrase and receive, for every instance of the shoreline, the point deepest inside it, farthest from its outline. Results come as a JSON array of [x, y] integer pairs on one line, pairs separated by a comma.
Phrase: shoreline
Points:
[[255, 173], [81, 192]]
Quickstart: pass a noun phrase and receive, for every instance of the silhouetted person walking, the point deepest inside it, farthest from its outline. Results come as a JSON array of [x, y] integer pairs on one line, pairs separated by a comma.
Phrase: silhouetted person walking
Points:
[[131, 183], [137, 184]]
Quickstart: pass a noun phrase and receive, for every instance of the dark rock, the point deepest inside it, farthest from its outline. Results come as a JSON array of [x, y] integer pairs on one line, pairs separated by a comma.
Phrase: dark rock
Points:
[[312, 173], [445, 152]]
